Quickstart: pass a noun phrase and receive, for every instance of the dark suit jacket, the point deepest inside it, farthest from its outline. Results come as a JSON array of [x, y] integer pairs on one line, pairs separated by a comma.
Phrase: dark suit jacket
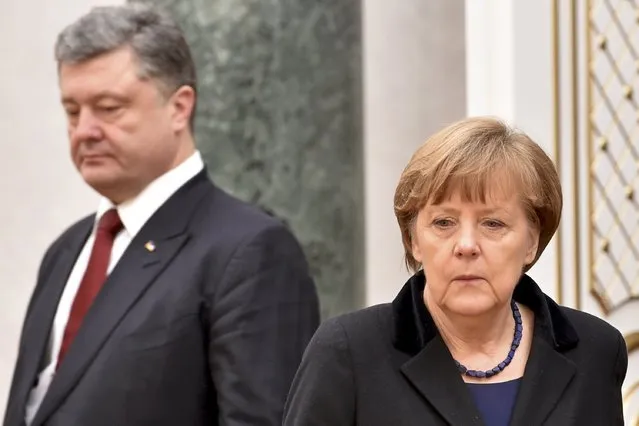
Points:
[[387, 365], [207, 329]]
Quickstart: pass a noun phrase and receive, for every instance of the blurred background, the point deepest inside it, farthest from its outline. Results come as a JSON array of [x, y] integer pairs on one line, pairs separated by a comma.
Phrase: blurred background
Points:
[[311, 109]]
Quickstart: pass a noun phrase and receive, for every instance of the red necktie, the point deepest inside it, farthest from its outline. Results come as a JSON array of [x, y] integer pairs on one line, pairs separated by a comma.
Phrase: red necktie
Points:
[[94, 276]]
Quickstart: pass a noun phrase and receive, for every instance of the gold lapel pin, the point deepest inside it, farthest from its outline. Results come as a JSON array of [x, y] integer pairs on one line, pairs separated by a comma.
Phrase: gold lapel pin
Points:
[[150, 246]]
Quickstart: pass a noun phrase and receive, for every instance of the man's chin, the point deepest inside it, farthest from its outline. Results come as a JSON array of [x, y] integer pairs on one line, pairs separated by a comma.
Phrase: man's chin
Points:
[[106, 184], [97, 176]]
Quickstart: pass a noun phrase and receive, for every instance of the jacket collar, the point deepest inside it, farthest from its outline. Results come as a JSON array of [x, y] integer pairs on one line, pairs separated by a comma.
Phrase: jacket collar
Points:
[[414, 326]]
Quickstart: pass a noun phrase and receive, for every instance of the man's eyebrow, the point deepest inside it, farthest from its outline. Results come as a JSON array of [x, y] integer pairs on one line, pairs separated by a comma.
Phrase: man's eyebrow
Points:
[[98, 97]]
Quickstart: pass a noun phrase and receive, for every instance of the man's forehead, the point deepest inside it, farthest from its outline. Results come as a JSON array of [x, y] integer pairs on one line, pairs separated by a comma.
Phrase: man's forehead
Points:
[[116, 58], [116, 62], [112, 72]]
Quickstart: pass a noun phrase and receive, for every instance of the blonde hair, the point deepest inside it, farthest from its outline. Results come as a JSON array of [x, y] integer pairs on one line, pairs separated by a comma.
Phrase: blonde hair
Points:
[[468, 156]]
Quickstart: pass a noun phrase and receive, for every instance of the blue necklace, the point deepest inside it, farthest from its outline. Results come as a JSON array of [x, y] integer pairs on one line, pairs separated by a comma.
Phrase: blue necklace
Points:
[[502, 365]]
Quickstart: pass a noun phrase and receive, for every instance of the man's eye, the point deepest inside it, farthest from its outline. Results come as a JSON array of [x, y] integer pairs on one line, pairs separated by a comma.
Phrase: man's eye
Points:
[[109, 108]]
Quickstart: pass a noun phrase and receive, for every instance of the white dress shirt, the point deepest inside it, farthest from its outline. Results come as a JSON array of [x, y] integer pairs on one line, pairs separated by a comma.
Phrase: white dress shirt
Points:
[[134, 214]]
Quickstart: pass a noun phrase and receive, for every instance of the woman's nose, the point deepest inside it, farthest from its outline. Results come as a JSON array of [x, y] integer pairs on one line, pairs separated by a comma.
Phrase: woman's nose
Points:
[[466, 244]]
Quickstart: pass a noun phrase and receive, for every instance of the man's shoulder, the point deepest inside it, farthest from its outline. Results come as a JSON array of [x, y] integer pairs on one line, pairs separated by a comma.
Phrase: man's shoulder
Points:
[[225, 212], [66, 238], [79, 227]]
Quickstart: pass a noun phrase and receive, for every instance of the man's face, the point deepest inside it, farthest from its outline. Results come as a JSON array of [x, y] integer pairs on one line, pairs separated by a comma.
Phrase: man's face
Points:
[[123, 131]]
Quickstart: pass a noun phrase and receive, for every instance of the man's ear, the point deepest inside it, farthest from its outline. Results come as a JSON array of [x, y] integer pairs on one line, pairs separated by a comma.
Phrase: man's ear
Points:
[[183, 105]]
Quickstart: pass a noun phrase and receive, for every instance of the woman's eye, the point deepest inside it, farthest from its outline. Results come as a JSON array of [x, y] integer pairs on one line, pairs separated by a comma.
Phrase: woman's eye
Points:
[[493, 224], [443, 223]]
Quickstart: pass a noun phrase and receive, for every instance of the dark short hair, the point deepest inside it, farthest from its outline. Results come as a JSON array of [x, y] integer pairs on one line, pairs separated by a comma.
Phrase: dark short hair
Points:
[[157, 41]]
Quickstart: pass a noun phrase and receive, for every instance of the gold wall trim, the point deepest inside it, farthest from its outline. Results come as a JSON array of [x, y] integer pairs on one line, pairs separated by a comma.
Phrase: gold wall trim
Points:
[[557, 136], [627, 395], [557, 127], [574, 42], [589, 141], [632, 341], [598, 39]]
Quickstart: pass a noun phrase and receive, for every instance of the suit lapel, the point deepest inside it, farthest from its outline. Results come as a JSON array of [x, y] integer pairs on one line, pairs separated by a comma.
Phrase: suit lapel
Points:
[[37, 328], [431, 370], [435, 376], [135, 272], [548, 373]]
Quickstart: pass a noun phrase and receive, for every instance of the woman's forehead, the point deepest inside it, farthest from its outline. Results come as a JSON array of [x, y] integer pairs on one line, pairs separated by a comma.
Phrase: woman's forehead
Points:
[[495, 187]]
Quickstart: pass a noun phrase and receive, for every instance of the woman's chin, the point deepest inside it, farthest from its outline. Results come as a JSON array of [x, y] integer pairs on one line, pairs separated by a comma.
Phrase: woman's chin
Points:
[[471, 304]]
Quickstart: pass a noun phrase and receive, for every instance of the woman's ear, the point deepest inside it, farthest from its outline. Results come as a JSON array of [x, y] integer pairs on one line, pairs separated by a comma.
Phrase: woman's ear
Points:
[[533, 245], [414, 243]]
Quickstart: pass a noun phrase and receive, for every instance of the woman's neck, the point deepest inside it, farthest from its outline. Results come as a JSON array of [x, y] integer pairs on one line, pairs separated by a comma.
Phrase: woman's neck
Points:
[[479, 338]]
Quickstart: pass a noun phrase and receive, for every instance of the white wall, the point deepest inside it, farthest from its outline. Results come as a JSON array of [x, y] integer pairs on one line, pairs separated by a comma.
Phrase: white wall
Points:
[[513, 72], [41, 192], [414, 83], [414, 68], [510, 75]]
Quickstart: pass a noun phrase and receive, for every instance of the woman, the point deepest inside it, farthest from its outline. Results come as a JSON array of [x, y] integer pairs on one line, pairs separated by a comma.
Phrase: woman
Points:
[[470, 339]]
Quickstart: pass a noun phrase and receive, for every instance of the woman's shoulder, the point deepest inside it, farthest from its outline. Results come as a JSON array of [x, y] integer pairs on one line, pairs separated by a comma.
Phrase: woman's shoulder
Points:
[[357, 326], [592, 330], [600, 345], [360, 320]]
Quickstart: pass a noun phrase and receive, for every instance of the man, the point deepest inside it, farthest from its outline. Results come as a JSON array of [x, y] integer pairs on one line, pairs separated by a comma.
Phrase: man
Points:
[[175, 304]]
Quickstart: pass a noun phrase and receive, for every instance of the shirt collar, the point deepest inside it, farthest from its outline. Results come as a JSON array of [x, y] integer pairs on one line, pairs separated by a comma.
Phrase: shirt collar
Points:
[[415, 327], [134, 213]]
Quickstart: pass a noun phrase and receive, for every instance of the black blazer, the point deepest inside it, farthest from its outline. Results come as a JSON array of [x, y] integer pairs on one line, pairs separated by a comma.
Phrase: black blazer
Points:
[[207, 329], [387, 365]]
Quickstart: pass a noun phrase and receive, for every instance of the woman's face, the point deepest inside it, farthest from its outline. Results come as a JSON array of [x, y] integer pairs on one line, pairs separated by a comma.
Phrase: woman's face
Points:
[[474, 253]]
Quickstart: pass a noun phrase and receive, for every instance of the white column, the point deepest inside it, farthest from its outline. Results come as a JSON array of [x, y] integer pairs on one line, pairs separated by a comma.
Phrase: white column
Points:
[[414, 83], [41, 192], [489, 58], [510, 75], [535, 64]]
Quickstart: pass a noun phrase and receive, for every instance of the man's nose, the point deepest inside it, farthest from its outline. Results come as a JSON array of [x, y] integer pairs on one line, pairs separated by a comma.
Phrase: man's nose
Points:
[[87, 127]]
